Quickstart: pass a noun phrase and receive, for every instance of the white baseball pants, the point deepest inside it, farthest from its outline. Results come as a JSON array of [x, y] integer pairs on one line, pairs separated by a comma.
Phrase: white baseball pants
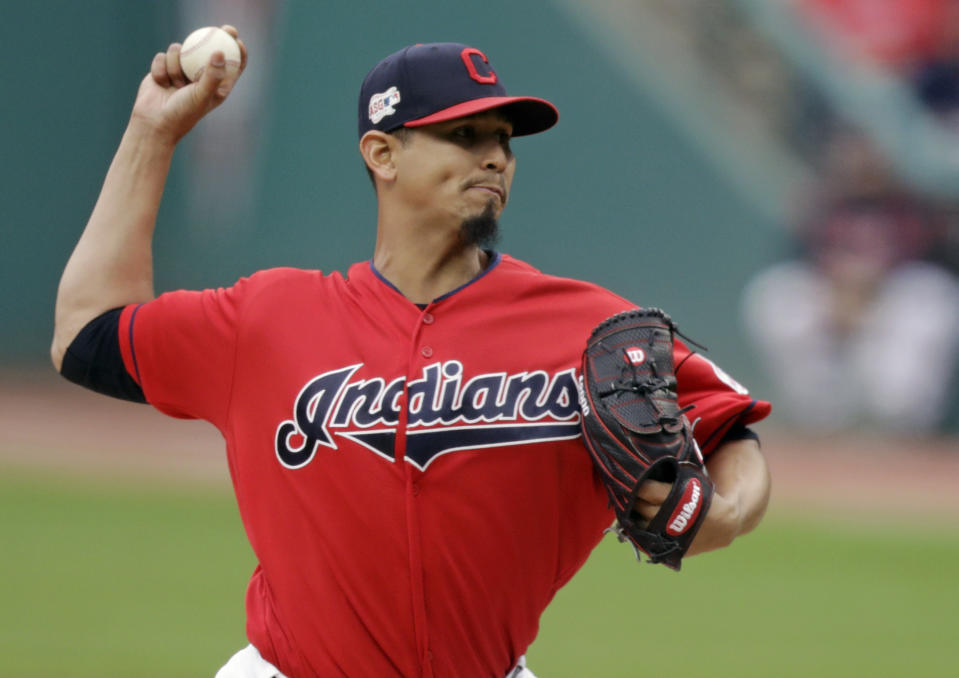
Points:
[[247, 663]]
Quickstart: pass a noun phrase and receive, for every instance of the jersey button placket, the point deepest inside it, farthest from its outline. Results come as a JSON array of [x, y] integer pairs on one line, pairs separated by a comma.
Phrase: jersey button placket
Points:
[[415, 489], [427, 318]]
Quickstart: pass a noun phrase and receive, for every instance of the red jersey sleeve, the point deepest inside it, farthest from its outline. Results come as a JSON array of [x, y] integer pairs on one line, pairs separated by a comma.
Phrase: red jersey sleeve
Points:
[[719, 401], [180, 349]]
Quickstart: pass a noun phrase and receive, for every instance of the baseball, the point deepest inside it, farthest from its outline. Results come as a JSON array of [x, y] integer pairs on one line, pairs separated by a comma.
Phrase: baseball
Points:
[[200, 44]]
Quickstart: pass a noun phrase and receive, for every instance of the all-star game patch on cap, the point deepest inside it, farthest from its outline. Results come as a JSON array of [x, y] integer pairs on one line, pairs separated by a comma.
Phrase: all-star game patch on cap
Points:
[[424, 84]]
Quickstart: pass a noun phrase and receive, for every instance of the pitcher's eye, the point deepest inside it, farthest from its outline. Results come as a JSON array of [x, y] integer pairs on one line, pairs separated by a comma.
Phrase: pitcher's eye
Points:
[[464, 132]]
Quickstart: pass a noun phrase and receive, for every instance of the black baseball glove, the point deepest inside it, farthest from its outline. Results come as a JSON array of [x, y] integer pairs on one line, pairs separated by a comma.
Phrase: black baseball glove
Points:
[[635, 431]]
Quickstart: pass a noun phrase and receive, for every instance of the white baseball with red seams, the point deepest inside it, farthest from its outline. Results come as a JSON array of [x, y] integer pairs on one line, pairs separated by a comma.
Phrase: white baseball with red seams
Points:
[[200, 44]]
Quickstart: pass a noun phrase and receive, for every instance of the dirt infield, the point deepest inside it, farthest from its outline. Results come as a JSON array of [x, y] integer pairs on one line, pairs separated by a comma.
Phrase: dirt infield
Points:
[[47, 423]]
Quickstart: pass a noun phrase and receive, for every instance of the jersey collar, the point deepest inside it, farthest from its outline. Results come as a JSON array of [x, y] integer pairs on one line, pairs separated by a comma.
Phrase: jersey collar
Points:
[[494, 259]]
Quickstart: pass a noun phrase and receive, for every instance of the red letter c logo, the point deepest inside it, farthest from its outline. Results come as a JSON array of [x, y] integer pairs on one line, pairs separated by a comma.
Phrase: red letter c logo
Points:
[[467, 56]]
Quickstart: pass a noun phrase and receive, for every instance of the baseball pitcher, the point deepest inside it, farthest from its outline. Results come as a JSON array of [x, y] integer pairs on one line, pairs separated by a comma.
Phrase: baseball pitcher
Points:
[[426, 447]]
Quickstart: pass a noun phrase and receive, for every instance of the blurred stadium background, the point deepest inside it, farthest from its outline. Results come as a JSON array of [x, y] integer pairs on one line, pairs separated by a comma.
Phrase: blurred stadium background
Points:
[[690, 134]]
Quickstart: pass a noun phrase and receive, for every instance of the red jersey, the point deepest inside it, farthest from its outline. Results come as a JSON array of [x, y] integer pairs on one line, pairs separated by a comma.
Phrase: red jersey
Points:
[[412, 481]]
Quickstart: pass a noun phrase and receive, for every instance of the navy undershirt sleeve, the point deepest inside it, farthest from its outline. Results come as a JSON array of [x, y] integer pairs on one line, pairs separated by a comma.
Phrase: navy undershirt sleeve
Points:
[[94, 361], [740, 432]]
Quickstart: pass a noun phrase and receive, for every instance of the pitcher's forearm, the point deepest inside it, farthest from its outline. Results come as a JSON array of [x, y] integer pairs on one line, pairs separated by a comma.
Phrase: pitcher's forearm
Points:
[[741, 477], [112, 263], [740, 473]]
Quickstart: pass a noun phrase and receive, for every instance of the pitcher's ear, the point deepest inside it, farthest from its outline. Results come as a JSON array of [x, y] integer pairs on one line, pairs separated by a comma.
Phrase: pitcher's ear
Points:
[[378, 149]]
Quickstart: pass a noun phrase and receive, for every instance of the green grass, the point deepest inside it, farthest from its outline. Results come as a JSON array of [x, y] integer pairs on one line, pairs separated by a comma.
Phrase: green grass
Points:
[[106, 580], [796, 598], [102, 580]]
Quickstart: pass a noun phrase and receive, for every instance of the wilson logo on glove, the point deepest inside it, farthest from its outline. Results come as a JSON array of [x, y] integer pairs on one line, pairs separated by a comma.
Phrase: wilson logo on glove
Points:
[[636, 355], [689, 506]]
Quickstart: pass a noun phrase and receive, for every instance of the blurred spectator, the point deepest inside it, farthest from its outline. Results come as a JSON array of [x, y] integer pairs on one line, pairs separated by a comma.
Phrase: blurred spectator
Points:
[[894, 34], [936, 79], [859, 331]]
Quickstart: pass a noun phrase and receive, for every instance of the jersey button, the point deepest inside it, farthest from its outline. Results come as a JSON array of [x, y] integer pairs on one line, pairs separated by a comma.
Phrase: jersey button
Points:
[[428, 318], [426, 352], [416, 489]]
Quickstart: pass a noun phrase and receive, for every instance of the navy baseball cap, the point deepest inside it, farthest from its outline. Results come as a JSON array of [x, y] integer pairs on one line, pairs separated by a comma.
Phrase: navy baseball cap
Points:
[[424, 84]]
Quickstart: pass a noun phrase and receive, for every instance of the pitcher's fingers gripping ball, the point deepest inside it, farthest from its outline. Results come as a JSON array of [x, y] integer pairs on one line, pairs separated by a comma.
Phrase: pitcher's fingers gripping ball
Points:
[[635, 431]]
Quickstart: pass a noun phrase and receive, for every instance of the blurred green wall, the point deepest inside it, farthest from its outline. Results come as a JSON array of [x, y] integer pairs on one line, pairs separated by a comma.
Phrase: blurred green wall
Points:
[[614, 193], [70, 70]]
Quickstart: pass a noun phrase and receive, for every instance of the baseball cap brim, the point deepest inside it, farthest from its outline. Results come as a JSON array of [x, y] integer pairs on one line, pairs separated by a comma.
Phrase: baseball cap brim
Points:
[[529, 115]]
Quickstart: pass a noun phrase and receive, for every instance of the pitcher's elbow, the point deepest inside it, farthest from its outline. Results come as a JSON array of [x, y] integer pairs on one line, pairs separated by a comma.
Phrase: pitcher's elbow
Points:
[[56, 354]]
